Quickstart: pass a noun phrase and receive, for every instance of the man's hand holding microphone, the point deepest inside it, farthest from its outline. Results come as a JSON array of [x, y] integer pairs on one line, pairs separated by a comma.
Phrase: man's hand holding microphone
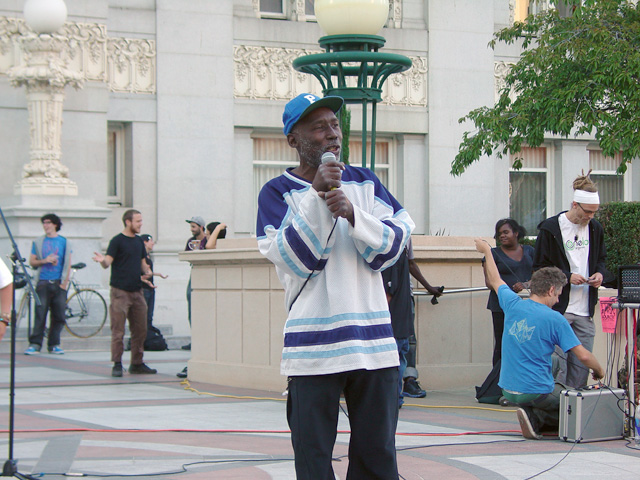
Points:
[[327, 182]]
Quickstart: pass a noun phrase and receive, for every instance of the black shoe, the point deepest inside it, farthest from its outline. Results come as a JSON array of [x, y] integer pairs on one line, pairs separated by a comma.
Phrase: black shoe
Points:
[[182, 374], [412, 389], [116, 371], [186, 347], [528, 423], [141, 369]]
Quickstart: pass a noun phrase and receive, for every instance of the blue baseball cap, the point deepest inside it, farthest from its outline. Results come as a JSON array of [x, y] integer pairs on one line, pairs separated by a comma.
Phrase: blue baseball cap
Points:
[[304, 104]]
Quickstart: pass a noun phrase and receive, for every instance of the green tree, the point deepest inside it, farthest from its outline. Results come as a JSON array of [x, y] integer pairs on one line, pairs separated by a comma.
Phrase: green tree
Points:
[[578, 74], [621, 223]]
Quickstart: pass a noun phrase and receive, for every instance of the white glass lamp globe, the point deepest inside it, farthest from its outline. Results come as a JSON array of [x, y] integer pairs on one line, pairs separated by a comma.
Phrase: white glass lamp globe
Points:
[[45, 16], [343, 17]]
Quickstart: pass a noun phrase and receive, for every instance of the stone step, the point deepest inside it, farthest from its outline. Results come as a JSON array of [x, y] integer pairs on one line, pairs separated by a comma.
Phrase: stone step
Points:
[[99, 342]]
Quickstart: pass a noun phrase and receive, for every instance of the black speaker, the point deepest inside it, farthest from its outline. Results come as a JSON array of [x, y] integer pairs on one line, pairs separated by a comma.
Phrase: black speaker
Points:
[[629, 283]]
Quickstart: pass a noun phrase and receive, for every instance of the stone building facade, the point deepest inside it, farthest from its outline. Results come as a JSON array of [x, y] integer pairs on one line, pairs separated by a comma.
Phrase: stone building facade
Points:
[[178, 113]]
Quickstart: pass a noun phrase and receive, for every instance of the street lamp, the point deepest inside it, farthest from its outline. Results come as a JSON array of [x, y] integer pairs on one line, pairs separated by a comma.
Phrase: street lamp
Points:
[[351, 50], [44, 75]]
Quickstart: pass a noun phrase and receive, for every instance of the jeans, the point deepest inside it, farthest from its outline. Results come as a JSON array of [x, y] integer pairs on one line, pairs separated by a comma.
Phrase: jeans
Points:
[[52, 298], [189, 300], [403, 349], [150, 299], [129, 305], [313, 406]]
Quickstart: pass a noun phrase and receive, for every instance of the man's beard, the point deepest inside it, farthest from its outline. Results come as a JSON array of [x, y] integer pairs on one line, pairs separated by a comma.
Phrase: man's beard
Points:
[[310, 153]]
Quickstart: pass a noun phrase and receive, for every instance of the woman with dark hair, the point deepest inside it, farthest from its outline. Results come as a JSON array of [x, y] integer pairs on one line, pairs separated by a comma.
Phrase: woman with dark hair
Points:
[[515, 264], [214, 231]]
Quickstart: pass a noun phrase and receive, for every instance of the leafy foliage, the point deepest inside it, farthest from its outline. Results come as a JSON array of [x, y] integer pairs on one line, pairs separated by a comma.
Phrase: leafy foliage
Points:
[[578, 74], [345, 125], [621, 223]]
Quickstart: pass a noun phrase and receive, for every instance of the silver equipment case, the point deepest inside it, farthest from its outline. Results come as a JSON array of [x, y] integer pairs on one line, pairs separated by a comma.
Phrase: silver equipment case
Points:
[[591, 414]]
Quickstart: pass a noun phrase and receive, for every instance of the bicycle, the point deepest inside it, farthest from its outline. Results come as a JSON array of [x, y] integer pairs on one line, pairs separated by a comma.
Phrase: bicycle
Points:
[[85, 312]]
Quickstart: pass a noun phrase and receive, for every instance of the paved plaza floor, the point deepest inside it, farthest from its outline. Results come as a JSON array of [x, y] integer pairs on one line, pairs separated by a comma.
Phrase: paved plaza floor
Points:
[[73, 418]]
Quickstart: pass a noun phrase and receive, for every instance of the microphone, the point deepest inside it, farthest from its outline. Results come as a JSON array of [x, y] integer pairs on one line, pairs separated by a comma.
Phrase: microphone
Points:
[[329, 157]]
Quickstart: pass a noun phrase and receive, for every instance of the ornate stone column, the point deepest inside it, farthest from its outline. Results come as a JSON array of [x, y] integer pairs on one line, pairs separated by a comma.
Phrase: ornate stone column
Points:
[[44, 75]]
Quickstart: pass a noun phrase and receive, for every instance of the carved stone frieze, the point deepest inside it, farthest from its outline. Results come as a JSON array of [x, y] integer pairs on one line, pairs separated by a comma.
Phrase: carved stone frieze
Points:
[[131, 65], [395, 14], [500, 71], [126, 65], [298, 12], [266, 73]]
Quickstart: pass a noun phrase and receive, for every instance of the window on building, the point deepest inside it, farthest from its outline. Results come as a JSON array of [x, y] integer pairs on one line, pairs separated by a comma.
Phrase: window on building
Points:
[[528, 189], [272, 7], [383, 161], [283, 9], [118, 177], [308, 8], [272, 155], [611, 186], [521, 10], [524, 8]]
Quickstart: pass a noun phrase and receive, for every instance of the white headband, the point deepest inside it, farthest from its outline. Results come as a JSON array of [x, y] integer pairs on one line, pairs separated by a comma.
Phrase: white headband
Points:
[[582, 196]]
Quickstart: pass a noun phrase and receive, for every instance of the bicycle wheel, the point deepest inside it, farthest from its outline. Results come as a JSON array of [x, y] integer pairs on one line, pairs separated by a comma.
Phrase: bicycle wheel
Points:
[[86, 313], [23, 310]]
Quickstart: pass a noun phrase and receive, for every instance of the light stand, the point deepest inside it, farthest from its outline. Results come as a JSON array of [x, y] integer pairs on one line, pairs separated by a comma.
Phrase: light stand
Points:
[[10, 468], [354, 56]]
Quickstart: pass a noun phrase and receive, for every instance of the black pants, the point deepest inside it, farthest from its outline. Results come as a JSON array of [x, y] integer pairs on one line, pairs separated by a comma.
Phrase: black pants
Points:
[[498, 329], [150, 298], [372, 403], [52, 298]]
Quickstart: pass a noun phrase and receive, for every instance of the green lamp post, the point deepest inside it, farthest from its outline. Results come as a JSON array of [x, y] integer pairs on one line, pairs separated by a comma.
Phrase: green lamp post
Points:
[[351, 50]]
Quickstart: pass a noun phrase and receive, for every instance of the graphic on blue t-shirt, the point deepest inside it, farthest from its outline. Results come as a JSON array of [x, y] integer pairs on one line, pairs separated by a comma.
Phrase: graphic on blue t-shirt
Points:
[[57, 246], [521, 331]]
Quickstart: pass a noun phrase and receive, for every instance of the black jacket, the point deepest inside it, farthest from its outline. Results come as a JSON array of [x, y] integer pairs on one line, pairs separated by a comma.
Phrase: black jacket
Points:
[[550, 253]]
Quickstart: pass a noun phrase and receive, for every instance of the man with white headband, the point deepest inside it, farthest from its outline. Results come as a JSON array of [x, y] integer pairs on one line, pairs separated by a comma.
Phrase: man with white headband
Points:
[[573, 241]]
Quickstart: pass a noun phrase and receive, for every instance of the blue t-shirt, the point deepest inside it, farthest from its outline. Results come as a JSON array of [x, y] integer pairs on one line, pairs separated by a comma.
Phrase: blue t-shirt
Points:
[[531, 332], [58, 246]]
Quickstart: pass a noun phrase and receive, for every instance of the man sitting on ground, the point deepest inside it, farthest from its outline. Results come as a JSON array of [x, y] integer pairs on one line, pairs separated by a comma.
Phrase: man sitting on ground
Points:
[[531, 332]]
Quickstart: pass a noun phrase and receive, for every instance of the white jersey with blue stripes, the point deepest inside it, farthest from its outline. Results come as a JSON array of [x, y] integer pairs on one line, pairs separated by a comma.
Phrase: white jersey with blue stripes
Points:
[[340, 321]]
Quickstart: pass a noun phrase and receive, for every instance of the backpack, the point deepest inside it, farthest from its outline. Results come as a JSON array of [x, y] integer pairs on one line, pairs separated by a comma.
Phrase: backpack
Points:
[[489, 391], [154, 342]]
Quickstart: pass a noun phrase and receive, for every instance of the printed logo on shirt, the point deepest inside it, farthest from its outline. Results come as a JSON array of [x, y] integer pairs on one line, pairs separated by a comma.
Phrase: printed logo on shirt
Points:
[[521, 331], [571, 245]]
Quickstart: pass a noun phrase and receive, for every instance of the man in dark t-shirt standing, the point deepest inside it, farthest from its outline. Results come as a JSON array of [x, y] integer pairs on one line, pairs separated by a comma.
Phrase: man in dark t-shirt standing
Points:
[[126, 255]]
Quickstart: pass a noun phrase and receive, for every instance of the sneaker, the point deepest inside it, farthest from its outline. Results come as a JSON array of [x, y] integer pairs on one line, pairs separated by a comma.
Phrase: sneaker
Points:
[[32, 350], [56, 350], [182, 374], [527, 424], [412, 389], [186, 347], [141, 369], [505, 403], [117, 370]]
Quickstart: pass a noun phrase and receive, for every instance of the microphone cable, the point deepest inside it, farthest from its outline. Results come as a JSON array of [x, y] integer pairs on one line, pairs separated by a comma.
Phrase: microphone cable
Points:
[[314, 268], [326, 157]]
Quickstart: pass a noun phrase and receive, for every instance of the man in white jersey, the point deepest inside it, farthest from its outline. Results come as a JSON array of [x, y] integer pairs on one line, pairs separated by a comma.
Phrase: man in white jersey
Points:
[[573, 241], [330, 229]]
